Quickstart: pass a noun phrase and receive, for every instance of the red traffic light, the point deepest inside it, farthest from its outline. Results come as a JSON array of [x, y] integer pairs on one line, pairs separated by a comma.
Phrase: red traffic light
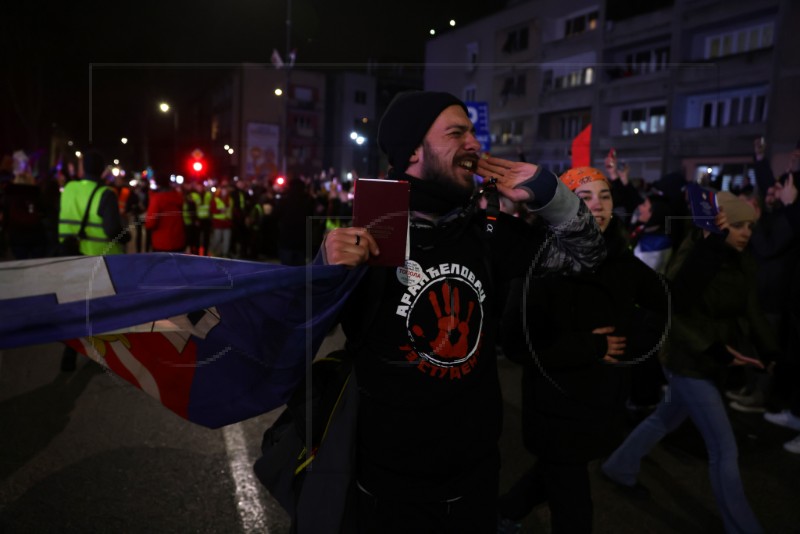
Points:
[[280, 181], [197, 163]]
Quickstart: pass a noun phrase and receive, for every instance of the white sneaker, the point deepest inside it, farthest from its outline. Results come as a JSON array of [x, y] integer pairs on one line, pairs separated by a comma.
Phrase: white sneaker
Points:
[[793, 445], [747, 407], [784, 418], [738, 394]]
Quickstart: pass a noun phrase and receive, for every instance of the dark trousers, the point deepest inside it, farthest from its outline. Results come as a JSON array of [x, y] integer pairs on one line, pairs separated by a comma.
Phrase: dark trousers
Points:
[[646, 381], [192, 232], [564, 486], [473, 513], [204, 236], [141, 238], [473, 510]]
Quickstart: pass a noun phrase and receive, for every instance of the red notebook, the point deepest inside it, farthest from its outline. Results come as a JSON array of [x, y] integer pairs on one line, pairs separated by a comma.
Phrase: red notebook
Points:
[[381, 206]]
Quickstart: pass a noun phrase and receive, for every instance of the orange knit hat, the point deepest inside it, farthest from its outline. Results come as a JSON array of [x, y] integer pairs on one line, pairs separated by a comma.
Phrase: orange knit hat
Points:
[[581, 175]]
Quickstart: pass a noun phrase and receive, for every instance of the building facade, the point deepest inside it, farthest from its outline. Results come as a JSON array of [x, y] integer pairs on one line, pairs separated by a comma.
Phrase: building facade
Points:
[[683, 85], [262, 113], [351, 136]]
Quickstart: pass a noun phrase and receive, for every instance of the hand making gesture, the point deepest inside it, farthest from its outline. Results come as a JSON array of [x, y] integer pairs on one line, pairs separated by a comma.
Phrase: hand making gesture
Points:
[[509, 174]]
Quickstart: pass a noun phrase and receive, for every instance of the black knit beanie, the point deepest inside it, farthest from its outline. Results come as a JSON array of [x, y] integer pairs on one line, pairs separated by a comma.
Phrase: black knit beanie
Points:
[[407, 119]]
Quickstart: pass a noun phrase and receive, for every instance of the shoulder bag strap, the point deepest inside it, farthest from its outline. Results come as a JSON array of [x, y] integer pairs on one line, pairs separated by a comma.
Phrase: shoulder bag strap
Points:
[[81, 232]]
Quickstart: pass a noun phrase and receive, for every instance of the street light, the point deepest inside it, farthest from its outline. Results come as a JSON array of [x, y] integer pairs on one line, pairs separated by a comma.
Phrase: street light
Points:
[[359, 140], [164, 107]]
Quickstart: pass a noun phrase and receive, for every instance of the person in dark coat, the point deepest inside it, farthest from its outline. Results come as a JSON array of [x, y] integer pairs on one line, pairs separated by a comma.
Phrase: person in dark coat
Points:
[[23, 215], [292, 212], [429, 400], [716, 322], [775, 245], [578, 337], [672, 188]]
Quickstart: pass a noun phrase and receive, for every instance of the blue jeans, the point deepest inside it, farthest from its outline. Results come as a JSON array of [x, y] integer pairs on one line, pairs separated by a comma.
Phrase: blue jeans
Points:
[[700, 400]]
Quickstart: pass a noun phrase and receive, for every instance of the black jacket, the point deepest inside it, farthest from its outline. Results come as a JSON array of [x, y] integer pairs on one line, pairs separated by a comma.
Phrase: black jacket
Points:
[[715, 303], [572, 408], [430, 408]]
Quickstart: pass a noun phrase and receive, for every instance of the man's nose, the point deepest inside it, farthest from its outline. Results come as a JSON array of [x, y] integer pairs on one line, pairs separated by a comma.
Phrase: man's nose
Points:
[[472, 144]]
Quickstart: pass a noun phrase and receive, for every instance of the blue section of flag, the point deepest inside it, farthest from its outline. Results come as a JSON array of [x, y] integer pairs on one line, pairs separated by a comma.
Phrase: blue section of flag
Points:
[[654, 242], [268, 319]]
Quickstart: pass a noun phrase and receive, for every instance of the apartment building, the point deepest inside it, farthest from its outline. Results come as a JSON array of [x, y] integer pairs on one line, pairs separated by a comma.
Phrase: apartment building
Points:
[[683, 85], [261, 113]]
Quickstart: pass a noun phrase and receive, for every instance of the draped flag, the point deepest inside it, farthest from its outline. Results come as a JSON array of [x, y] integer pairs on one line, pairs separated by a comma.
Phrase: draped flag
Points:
[[216, 341]]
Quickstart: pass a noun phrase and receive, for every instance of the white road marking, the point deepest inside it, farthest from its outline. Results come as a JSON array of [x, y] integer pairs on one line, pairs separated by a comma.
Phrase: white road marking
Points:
[[248, 499]]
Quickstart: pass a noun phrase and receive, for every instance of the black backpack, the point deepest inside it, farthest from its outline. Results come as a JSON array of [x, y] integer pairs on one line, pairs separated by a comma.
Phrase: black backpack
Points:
[[312, 482]]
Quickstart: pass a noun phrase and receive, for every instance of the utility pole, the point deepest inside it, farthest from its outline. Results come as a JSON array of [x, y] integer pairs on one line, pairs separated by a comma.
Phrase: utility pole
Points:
[[288, 63]]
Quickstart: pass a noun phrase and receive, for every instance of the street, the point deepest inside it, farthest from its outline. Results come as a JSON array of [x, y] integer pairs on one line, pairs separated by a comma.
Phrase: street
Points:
[[86, 452]]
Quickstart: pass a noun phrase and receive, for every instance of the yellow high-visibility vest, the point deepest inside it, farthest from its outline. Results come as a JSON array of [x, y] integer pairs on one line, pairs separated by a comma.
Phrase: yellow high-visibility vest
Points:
[[73, 205]]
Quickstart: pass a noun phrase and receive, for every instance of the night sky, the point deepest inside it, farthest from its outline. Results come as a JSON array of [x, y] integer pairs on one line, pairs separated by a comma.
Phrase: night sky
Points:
[[49, 48]]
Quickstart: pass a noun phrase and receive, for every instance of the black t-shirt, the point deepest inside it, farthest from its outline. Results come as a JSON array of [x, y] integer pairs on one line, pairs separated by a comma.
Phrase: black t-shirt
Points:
[[430, 409]]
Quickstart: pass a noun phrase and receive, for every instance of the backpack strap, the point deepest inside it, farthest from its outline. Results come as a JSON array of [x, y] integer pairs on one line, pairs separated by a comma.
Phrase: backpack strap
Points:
[[82, 231]]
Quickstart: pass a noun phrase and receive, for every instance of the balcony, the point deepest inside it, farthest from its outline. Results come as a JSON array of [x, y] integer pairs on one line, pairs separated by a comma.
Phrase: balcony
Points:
[[749, 68], [652, 86], [565, 98], [725, 140], [572, 45], [643, 28]]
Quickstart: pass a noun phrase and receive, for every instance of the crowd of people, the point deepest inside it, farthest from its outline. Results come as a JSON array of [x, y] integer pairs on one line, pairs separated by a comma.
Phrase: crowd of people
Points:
[[251, 218], [600, 286], [731, 338]]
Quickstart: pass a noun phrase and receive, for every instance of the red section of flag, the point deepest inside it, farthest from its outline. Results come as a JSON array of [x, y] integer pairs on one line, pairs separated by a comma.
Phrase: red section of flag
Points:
[[581, 148], [168, 370]]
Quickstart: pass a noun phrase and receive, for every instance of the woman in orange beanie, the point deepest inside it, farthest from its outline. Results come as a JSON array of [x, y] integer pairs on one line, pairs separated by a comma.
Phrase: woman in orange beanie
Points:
[[585, 332]]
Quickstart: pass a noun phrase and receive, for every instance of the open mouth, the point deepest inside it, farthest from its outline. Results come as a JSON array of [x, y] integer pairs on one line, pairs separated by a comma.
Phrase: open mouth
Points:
[[468, 163]]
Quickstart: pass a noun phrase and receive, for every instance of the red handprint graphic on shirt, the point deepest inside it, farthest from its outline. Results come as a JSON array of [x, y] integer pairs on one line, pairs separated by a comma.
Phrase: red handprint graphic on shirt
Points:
[[452, 341]]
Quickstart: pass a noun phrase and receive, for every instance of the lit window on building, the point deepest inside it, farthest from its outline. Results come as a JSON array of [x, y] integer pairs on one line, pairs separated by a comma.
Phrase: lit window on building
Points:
[[739, 41], [643, 120], [580, 24], [732, 109]]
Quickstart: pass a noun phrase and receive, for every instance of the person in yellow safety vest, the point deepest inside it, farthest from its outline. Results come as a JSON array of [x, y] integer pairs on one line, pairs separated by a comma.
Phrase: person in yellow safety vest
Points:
[[254, 237], [239, 232], [221, 221], [202, 201], [191, 226], [104, 233]]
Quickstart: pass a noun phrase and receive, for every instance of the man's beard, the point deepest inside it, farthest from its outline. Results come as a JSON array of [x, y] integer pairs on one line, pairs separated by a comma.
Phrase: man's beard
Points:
[[434, 169]]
